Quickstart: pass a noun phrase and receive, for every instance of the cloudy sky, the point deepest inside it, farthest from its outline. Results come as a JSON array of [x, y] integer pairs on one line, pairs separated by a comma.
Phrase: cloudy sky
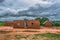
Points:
[[30, 9]]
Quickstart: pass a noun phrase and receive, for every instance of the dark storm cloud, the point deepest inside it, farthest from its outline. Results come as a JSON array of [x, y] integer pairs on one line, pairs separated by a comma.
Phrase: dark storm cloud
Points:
[[30, 12], [1, 1], [11, 9]]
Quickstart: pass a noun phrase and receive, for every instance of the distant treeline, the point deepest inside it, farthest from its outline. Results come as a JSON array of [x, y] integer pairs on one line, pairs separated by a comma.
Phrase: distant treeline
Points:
[[56, 23]]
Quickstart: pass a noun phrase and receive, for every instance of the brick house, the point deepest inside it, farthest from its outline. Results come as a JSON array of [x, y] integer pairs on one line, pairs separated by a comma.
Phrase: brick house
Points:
[[47, 24], [29, 24], [8, 23]]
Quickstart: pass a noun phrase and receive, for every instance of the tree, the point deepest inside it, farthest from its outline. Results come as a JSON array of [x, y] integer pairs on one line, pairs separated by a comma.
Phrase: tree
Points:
[[42, 20], [25, 19]]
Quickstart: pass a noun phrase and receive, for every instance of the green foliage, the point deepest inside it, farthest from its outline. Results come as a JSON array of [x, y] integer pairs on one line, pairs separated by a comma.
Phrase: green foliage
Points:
[[1, 23], [25, 19], [56, 23], [42, 20]]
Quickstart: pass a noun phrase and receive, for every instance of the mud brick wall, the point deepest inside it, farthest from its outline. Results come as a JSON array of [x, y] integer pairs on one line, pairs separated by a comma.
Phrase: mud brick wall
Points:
[[29, 24], [18, 24], [8, 23], [48, 24], [33, 24]]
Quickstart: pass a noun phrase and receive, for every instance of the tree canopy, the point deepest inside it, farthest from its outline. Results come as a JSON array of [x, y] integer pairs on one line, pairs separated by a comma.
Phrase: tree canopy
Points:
[[42, 20]]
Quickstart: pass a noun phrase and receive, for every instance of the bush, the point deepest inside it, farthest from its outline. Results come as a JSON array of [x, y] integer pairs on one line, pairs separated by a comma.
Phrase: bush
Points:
[[1, 23], [42, 20], [56, 23]]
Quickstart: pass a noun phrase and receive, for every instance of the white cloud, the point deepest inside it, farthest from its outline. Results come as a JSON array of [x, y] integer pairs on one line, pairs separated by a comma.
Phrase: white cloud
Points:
[[19, 3], [16, 18], [46, 3], [25, 3]]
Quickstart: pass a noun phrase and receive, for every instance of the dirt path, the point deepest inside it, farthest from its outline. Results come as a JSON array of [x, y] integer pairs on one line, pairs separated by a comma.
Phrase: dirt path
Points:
[[36, 31], [31, 31]]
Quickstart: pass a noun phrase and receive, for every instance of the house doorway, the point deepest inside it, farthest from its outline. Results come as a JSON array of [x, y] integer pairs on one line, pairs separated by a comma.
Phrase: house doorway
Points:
[[25, 24]]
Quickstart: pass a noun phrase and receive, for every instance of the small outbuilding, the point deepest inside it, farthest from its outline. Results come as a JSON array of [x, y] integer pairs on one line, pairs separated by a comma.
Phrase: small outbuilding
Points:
[[47, 24]]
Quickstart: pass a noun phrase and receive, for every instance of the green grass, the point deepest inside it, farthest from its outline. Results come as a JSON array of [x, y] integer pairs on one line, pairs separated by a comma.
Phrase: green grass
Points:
[[49, 35], [1, 23]]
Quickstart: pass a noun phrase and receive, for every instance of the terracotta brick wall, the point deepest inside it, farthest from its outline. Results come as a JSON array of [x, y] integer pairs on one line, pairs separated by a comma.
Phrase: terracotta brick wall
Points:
[[33, 24], [20, 24], [8, 23], [48, 24]]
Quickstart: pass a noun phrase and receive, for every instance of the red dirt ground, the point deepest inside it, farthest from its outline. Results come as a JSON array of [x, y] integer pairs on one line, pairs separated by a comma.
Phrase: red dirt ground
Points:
[[32, 31], [24, 32]]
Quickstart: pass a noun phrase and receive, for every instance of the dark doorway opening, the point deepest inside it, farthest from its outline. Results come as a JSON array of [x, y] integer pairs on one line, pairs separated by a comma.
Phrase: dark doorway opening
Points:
[[32, 23]]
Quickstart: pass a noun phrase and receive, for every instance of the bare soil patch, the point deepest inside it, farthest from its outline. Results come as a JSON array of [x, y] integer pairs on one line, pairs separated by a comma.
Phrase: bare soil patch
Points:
[[27, 34]]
